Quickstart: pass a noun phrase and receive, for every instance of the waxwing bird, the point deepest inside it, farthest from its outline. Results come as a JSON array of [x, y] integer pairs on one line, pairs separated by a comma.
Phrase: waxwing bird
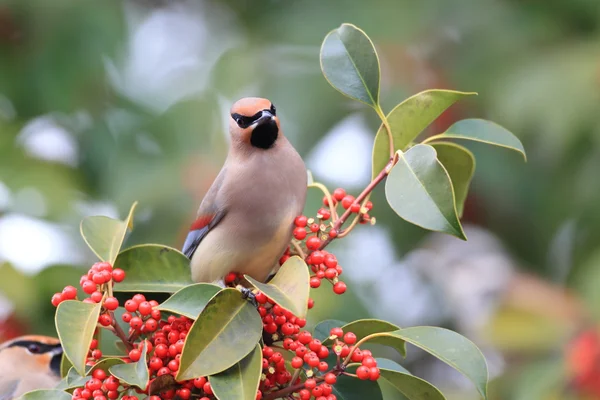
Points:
[[28, 363], [245, 221]]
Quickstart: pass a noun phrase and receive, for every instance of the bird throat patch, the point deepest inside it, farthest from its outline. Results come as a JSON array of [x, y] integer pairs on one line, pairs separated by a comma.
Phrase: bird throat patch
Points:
[[264, 135]]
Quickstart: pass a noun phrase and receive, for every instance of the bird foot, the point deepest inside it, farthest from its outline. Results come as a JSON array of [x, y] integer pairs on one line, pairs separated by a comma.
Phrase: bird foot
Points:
[[248, 295]]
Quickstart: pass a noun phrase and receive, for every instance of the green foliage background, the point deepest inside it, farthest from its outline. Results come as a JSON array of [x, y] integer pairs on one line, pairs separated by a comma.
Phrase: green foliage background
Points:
[[535, 65]]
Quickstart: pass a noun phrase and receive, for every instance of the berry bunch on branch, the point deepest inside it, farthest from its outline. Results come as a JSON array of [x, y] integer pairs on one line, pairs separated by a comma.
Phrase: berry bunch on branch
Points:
[[208, 342]]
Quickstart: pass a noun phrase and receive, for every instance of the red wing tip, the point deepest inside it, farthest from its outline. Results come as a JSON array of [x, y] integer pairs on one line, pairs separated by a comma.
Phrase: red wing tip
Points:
[[201, 222]]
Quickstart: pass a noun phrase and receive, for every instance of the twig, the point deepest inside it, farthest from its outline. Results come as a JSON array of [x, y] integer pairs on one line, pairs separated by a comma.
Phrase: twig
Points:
[[119, 332]]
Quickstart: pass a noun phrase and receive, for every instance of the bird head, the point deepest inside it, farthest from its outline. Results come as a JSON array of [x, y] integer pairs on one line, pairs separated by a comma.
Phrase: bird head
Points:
[[33, 352], [254, 121]]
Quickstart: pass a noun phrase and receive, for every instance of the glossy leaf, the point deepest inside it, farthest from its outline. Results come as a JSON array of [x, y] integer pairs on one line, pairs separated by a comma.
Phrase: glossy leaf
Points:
[[105, 235], [75, 325], [73, 379], [289, 287], [65, 366], [135, 374], [408, 119], [46, 394], [460, 165], [323, 328], [349, 388], [191, 300], [365, 327], [153, 268], [225, 332], [481, 130], [410, 386], [419, 190], [241, 380], [350, 64], [453, 349]]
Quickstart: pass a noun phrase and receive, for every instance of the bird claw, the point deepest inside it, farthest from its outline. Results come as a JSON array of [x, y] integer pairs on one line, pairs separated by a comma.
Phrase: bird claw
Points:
[[248, 295]]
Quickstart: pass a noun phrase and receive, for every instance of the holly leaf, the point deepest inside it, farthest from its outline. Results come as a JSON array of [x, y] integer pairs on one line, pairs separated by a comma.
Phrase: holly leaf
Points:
[[241, 380], [481, 130], [289, 287], [153, 268], [225, 332], [450, 347], [410, 386], [420, 191], [408, 119], [134, 374], [104, 235], [75, 324], [45, 394], [191, 300], [350, 64], [349, 388], [365, 327], [460, 165]]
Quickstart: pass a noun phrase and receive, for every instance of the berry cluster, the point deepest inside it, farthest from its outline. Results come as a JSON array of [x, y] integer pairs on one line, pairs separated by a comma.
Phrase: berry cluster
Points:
[[94, 283], [277, 321]]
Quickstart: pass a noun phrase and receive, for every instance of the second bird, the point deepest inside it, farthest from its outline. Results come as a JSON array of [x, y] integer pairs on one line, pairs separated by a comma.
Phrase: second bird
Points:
[[245, 221]]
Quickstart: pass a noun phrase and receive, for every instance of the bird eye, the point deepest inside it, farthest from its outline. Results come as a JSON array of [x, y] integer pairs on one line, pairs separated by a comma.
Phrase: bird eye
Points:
[[33, 348], [273, 109]]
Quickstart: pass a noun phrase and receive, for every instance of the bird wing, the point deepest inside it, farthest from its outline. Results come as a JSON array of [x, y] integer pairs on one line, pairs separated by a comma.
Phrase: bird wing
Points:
[[207, 218], [8, 389]]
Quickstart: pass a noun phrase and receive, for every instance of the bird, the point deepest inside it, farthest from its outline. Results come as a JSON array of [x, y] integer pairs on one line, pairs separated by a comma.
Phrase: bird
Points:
[[245, 220], [28, 363]]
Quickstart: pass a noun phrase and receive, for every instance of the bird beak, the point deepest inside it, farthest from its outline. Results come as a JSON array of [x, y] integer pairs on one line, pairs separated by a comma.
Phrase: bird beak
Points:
[[264, 118]]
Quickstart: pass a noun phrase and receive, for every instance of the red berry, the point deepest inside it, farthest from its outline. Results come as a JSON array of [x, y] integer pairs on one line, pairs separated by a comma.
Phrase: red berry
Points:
[[111, 303], [161, 350], [199, 382], [98, 278], [230, 277], [330, 378], [311, 303], [350, 338], [369, 362], [93, 384], [369, 205], [99, 374], [299, 233], [135, 355], [93, 344], [261, 298], [301, 221], [126, 317], [207, 388], [163, 371], [323, 366], [138, 298], [301, 322], [339, 287], [155, 313], [57, 298], [315, 282], [357, 356], [339, 194], [131, 306], [144, 308], [336, 332], [362, 372], [317, 257], [184, 393], [330, 261], [304, 394], [315, 345], [347, 201], [374, 373], [105, 319], [69, 293], [323, 352], [355, 207], [151, 325], [136, 323], [310, 384], [88, 287], [287, 329], [96, 296], [313, 243], [330, 273], [111, 383], [297, 362], [324, 213], [96, 354], [173, 365], [333, 233], [118, 275], [317, 391]]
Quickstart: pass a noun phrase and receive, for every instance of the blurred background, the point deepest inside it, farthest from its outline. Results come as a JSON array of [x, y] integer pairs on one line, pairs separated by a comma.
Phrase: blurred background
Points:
[[105, 103]]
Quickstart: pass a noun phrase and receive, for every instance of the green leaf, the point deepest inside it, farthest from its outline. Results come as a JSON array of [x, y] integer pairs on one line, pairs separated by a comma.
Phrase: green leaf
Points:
[[135, 374], [289, 287], [453, 349], [419, 190], [46, 394], [350, 64], [410, 118], [105, 235], [74, 380], [241, 380], [65, 366], [153, 268], [191, 300], [323, 328], [460, 165], [75, 325], [225, 332], [480, 130], [349, 388], [410, 386]]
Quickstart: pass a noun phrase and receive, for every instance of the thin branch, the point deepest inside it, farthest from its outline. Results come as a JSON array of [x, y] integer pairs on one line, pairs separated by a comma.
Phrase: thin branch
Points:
[[117, 330]]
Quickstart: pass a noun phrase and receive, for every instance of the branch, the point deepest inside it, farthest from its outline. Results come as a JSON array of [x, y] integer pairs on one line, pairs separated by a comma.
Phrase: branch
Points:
[[117, 330], [288, 390]]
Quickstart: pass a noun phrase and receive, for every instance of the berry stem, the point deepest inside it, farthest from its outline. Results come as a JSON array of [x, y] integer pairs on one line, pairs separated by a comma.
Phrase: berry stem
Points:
[[288, 390], [388, 130], [361, 197], [298, 249], [120, 333], [356, 346]]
